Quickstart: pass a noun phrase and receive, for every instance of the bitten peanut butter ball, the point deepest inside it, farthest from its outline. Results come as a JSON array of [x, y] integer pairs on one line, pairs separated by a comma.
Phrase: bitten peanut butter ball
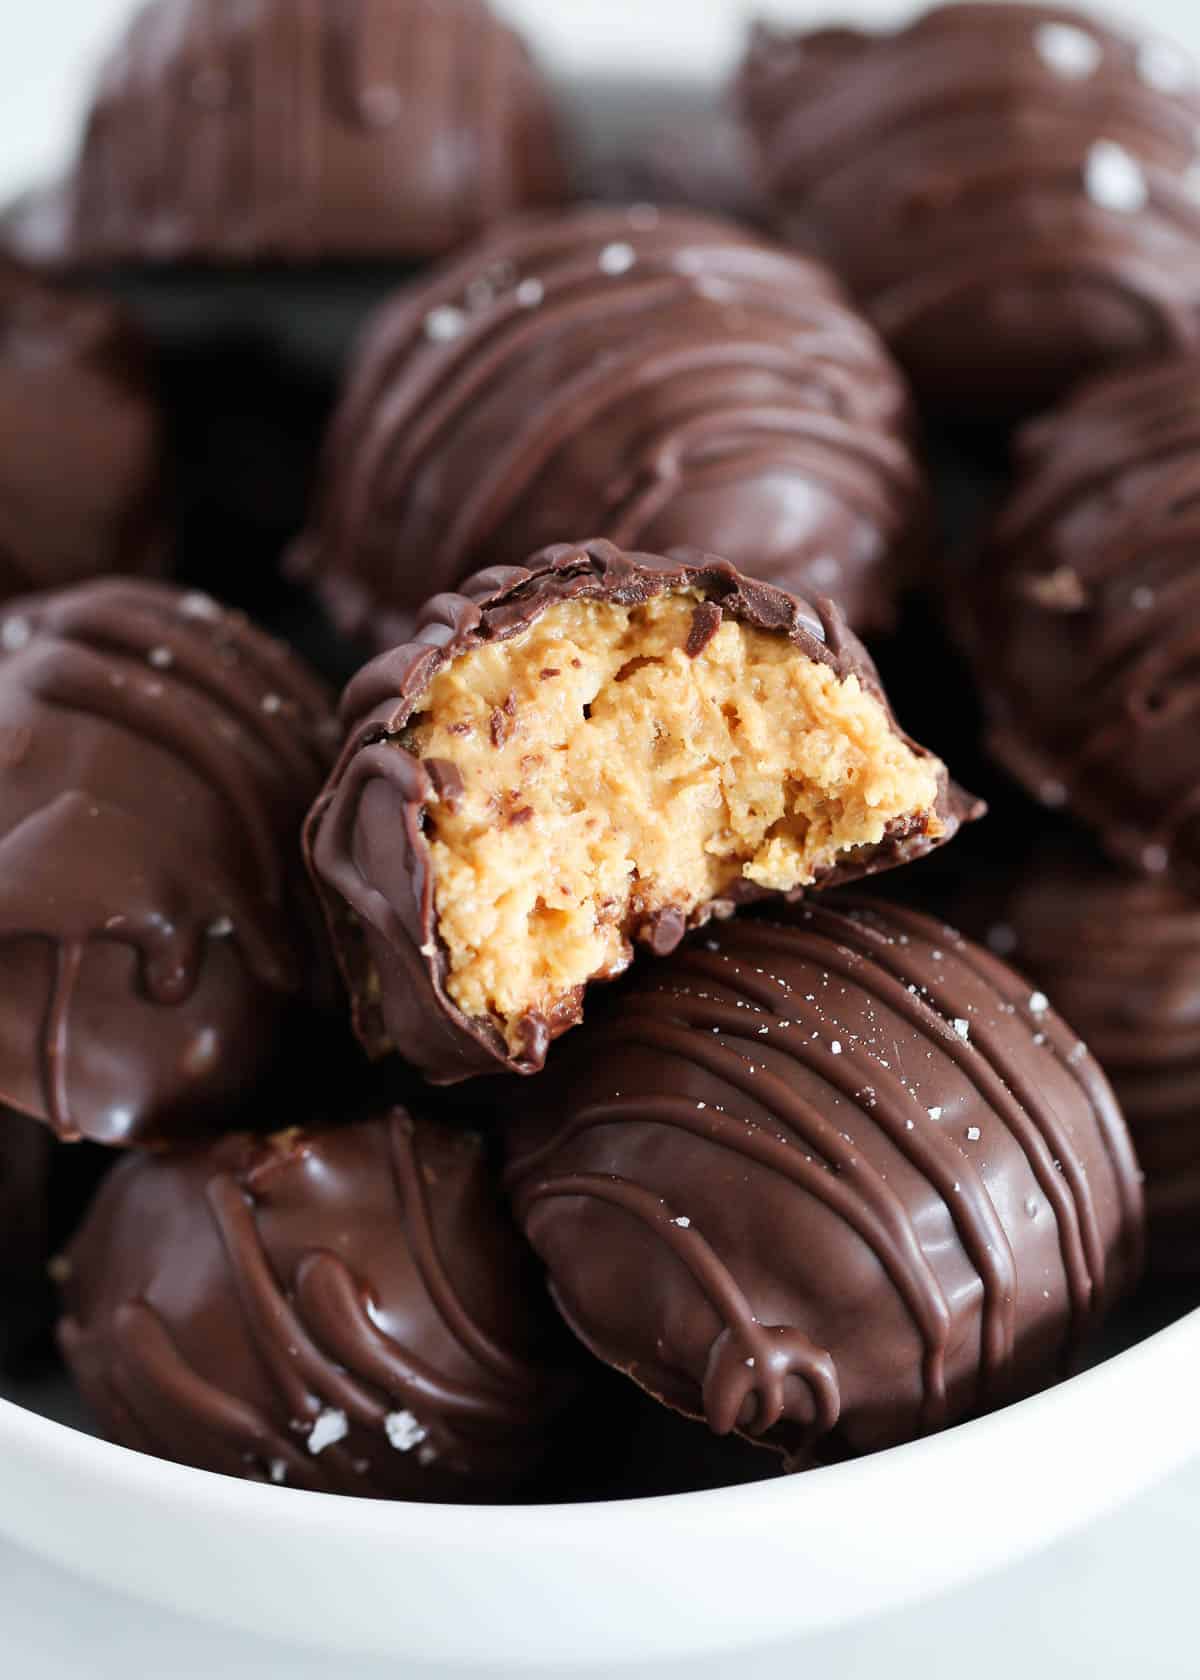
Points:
[[348, 1310], [81, 440], [158, 941], [1009, 191], [597, 750], [302, 130], [658, 378], [1080, 616], [832, 1179]]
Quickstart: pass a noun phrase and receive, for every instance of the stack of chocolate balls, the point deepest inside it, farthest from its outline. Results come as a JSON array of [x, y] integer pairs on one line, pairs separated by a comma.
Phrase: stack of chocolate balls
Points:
[[566, 1036]]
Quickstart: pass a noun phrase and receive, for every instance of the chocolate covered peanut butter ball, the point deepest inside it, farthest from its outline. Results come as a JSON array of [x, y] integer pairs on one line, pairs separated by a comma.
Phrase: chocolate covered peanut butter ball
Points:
[[597, 750], [158, 940], [81, 440], [655, 377], [832, 1179], [1082, 616], [343, 1309], [301, 131], [1009, 191], [1119, 953]]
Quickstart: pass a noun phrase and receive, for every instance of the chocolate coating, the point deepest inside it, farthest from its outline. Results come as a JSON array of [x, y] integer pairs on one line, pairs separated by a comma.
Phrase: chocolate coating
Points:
[[1031, 181], [81, 463], [345, 1310], [658, 378], [365, 839], [156, 757], [1081, 616], [1120, 955], [832, 1181], [303, 130]]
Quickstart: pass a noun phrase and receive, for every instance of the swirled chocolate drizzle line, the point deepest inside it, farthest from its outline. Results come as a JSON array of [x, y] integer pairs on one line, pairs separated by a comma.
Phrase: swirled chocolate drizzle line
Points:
[[831, 1180], [156, 757], [1120, 953], [1031, 177], [1081, 616], [301, 130], [345, 1310], [658, 378]]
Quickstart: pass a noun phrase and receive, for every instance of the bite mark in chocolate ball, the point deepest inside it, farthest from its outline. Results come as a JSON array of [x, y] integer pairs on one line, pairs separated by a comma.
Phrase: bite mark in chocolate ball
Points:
[[157, 935], [602, 749], [659, 378], [1030, 176], [832, 1180], [346, 1310]]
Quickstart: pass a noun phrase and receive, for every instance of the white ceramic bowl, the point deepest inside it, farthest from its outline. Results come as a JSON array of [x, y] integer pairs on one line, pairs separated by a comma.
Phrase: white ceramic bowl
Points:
[[560, 1586]]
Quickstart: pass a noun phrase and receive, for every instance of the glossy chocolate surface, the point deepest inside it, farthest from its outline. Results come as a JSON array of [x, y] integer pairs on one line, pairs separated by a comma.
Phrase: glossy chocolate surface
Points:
[[1120, 956], [833, 1179], [1081, 616], [365, 837], [348, 1310], [81, 440], [658, 378], [303, 130], [157, 754], [1029, 175]]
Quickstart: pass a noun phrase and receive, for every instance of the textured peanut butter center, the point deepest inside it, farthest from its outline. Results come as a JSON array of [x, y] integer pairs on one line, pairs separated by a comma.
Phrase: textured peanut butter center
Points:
[[608, 775]]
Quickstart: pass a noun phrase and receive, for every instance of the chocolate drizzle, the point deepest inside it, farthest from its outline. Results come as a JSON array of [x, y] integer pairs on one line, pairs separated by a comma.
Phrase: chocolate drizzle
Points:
[[166, 753], [307, 129], [1093, 695], [1030, 175], [657, 378], [1120, 954], [861, 1061], [341, 1311]]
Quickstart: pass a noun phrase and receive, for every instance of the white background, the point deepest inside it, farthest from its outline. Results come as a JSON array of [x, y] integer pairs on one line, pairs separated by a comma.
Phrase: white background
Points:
[[49, 46], [1118, 1601]]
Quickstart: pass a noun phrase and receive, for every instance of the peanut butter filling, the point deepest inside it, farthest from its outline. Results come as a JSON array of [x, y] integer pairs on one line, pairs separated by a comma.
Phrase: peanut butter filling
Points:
[[606, 774]]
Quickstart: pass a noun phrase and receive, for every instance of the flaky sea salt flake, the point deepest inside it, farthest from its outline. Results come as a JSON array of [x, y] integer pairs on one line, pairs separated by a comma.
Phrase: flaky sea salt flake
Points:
[[1068, 51], [331, 1426], [1114, 179], [403, 1431]]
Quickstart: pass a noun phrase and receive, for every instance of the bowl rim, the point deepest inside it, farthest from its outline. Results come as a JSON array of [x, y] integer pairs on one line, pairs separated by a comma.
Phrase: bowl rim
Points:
[[162, 1481]]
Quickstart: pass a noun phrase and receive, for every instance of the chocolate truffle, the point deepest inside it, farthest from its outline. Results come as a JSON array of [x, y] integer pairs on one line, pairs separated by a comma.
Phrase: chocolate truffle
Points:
[[831, 1181], [598, 749], [660, 379], [81, 436], [157, 755], [223, 131], [1081, 616], [1120, 955], [347, 1310], [1029, 178]]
